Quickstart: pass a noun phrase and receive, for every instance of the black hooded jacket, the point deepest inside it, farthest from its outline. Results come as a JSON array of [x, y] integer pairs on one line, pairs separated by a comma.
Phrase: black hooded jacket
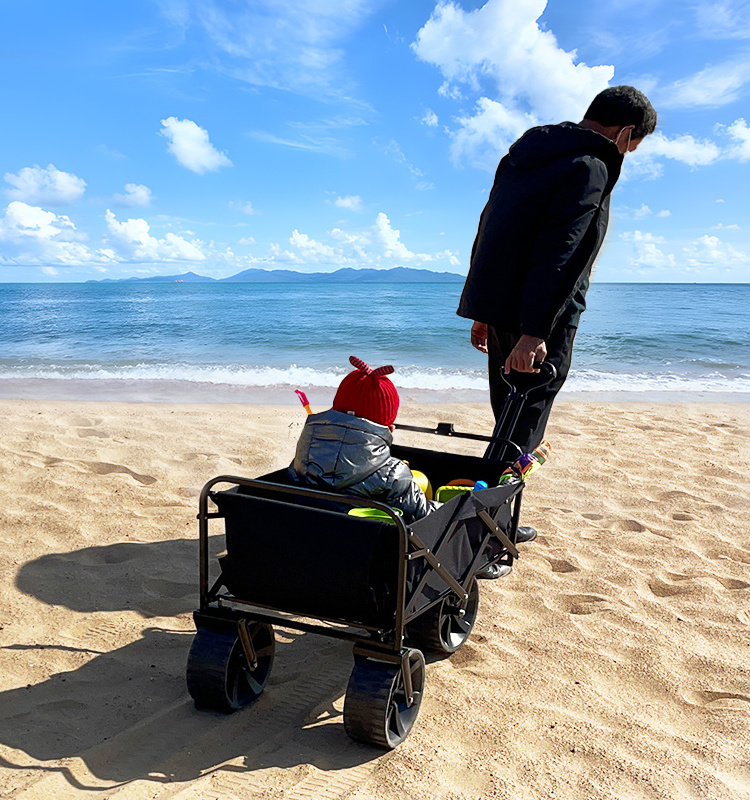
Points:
[[541, 230]]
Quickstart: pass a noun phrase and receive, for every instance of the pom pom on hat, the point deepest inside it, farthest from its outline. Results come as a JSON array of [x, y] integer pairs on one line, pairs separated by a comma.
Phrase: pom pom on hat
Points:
[[368, 393]]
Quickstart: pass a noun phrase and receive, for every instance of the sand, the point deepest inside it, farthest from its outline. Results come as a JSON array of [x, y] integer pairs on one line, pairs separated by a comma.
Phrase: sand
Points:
[[612, 663]]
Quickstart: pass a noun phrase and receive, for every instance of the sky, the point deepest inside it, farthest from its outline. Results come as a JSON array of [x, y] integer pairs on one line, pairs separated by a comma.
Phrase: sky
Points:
[[155, 137]]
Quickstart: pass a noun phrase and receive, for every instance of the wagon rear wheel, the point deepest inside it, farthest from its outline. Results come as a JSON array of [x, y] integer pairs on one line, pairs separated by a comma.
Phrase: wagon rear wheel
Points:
[[219, 676], [376, 709], [443, 628]]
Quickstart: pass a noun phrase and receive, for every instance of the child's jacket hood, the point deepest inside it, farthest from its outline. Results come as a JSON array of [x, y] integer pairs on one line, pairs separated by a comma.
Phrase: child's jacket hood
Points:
[[339, 450]]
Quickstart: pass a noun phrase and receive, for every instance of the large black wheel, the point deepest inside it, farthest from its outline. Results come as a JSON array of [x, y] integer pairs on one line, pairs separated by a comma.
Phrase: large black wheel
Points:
[[443, 628], [219, 676], [375, 708]]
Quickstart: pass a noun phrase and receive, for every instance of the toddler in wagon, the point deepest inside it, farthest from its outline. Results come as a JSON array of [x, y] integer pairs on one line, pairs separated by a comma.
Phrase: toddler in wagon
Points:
[[348, 448]]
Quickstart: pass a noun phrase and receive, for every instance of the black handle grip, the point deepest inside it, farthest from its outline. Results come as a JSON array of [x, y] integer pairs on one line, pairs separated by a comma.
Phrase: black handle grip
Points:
[[547, 373]]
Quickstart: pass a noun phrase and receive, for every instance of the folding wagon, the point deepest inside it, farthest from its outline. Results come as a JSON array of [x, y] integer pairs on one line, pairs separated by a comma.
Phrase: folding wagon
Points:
[[297, 559]]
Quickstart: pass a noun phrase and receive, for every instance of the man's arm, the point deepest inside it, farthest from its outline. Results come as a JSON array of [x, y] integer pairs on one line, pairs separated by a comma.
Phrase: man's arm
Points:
[[479, 336], [528, 349]]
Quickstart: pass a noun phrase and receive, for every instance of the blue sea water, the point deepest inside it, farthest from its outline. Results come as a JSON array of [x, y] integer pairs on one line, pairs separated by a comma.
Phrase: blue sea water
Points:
[[253, 342]]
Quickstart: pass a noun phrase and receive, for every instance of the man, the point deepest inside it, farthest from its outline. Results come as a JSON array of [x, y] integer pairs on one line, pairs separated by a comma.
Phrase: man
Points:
[[538, 236]]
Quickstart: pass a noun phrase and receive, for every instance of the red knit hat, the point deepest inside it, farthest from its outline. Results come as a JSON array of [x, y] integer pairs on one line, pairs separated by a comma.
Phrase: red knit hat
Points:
[[367, 393]]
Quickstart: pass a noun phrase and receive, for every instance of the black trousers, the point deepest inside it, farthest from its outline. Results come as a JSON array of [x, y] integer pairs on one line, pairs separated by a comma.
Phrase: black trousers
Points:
[[529, 430]]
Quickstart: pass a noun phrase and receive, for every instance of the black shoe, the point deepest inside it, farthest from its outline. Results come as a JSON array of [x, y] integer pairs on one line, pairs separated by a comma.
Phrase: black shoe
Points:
[[493, 571], [525, 533]]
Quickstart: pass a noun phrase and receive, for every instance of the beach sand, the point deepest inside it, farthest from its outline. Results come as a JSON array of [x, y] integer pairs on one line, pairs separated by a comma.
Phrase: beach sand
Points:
[[614, 661]]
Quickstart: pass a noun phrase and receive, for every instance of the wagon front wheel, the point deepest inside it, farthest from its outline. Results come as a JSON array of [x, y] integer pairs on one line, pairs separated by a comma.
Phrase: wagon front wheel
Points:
[[376, 708], [443, 628], [219, 675]]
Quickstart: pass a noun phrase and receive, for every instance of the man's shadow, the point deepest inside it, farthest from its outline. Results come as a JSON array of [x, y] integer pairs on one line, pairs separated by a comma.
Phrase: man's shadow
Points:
[[127, 713]]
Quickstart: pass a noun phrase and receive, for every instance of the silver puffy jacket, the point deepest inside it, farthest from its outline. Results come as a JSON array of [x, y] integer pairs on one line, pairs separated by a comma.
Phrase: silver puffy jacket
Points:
[[352, 455]]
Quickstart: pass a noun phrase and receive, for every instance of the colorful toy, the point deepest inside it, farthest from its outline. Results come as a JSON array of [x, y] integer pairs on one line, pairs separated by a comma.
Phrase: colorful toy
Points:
[[303, 399], [527, 463]]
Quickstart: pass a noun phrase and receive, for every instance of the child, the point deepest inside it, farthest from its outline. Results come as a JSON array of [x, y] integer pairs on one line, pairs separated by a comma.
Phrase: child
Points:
[[348, 448]]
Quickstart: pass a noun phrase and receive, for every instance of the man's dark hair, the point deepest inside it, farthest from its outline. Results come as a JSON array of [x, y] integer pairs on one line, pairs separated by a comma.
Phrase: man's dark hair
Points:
[[623, 105]]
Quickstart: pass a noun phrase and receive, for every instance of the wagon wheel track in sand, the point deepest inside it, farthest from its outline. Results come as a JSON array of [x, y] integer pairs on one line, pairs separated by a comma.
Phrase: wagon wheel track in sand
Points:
[[188, 755]]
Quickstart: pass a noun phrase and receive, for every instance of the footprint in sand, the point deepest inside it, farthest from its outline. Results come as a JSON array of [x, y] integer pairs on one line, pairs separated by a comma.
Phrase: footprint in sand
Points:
[[579, 604], [661, 588], [561, 565], [682, 516], [631, 525], [732, 583], [102, 468], [718, 700], [593, 517], [83, 432]]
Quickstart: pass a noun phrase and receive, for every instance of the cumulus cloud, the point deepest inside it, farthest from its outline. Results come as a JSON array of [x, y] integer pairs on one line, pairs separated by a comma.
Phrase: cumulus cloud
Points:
[[739, 132], [134, 242], [500, 49], [482, 137], [350, 202], [647, 250], [685, 148], [190, 145], [379, 247], [44, 186], [135, 194], [31, 235], [704, 254], [710, 252], [430, 119]]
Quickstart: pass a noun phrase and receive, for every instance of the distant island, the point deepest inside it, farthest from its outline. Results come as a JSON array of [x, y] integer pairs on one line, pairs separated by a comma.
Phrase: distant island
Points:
[[346, 275]]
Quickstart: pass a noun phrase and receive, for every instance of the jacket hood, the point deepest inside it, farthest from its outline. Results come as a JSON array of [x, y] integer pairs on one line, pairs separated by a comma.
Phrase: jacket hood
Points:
[[539, 146], [340, 449]]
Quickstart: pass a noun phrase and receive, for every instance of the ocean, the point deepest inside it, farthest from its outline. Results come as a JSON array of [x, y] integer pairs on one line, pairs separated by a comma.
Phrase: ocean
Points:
[[244, 342]]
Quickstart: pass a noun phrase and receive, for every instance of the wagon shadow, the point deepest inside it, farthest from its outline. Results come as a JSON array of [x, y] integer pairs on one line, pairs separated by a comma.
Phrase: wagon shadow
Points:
[[127, 714]]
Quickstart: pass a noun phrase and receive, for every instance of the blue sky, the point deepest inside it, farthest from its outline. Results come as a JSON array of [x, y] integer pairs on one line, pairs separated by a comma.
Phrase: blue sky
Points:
[[160, 136]]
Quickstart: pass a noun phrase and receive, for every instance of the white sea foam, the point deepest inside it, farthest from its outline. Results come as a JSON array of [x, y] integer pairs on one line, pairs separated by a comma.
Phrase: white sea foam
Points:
[[406, 378]]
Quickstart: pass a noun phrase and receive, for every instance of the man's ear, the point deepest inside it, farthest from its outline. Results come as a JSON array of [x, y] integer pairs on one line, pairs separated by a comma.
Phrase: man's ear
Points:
[[622, 140]]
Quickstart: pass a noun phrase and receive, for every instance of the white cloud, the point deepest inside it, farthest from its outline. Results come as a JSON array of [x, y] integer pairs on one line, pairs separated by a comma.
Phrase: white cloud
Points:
[[710, 252], [483, 137], [710, 88], [350, 202], [740, 133], [286, 44], [647, 251], [499, 50], [136, 194], [247, 240], [686, 149], [245, 206], [723, 19], [355, 249], [430, 119], [50, 186], [312, 249], [135, 243], [191, 147], [703, 255], [31, 235]]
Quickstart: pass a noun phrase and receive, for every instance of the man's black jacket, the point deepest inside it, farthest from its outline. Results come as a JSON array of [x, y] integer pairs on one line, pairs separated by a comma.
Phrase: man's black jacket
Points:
[[541, 229]]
